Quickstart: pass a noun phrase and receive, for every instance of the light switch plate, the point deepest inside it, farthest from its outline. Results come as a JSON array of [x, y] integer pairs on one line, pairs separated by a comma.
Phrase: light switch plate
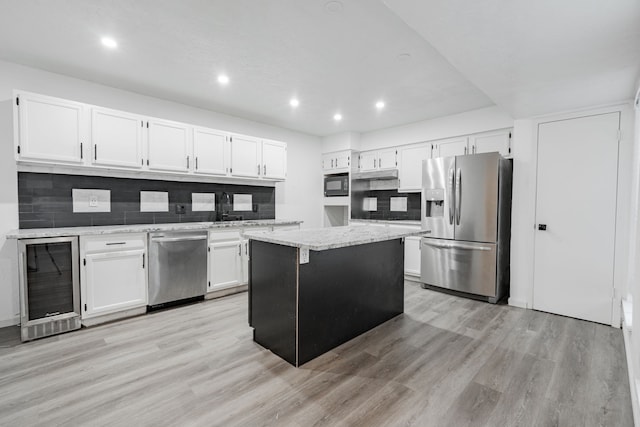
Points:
[[304, 255]]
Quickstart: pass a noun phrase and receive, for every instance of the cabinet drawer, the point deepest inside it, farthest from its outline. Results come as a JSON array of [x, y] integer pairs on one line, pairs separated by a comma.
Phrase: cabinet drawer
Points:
[[217, 236], [113, 243]]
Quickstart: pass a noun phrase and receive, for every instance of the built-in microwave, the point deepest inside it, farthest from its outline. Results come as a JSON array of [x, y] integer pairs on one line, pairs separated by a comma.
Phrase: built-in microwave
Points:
[[336, 185]]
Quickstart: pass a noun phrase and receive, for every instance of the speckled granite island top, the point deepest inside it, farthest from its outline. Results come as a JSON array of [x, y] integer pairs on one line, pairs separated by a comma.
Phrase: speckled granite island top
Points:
[[36, 233], [320, 239]]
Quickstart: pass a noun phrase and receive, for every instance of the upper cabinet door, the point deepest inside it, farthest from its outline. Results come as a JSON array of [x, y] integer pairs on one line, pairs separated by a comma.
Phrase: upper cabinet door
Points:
[[410, 167], [116, 138], [387, 159], [274, 159], [168, 146], [451, 147], [368, 161], [246, 156], [209, 151], [499, 141], [50, 129]]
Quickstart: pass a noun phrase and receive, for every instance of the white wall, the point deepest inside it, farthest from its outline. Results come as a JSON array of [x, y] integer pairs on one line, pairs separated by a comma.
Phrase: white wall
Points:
[[298, 198], [341, 141], [481, 120]]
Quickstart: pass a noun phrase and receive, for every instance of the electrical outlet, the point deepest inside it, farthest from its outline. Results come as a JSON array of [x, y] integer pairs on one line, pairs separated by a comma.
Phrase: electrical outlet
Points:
[[180, 209], [93, 201], [304, 255]]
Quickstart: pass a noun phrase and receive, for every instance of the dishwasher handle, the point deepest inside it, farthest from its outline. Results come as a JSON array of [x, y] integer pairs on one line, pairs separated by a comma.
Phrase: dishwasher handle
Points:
[[177, 239]]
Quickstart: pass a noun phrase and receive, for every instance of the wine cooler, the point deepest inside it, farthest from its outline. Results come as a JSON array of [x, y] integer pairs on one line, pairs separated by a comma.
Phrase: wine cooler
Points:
[[49, 286]]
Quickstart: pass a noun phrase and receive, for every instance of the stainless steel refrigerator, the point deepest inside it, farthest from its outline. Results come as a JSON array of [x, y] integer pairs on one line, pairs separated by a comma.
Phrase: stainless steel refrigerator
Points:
[[466, 218]]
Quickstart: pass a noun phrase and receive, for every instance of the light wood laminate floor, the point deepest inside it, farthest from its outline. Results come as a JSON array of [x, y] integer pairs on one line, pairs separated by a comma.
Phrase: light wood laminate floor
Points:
[[447, 361]]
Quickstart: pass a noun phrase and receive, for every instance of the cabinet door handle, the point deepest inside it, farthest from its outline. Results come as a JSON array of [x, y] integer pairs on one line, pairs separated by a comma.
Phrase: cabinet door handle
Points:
[[258, 169], [374, 164], [95, 151], [187, 162], [379, 162], [331, 162], [465, 150], [473, 149], [143, 260], [246, 248], [116, 243], [240, 249], [81, 155], [196, 163]]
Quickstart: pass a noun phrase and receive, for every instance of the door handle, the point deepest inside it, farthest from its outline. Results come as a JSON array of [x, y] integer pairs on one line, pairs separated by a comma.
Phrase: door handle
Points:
[[196, 163], [258, 169], [264, 169], [177, 239], [240, 249], [450, 195], [379, 162], [458, 195], [457, 246], [542, 227], [187, 162], [374, 163]]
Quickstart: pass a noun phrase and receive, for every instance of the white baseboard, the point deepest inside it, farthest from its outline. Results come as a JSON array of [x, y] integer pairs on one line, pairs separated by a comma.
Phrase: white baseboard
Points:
[[10, 322], [633, 384], [517, 303]]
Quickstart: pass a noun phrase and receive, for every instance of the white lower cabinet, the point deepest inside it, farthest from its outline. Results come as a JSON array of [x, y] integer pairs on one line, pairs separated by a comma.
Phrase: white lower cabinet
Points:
[[113, 274], [225, 260], [412, 256]]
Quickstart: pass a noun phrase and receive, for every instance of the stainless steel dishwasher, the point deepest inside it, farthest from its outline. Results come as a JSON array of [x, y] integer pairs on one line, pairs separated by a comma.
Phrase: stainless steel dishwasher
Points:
[[177, 266]]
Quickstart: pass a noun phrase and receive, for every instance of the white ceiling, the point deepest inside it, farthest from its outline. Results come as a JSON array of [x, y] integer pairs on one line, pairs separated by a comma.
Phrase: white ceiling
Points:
[[530, 57], [534, 57]]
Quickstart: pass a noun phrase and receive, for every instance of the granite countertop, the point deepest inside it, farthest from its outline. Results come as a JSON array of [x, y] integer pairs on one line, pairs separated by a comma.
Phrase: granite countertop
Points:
[[35, 233], [320, 239]]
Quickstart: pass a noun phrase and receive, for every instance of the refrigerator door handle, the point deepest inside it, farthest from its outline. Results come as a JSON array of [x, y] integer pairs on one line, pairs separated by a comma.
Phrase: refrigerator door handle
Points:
[[458, 195], [450, 195], [457, 246]]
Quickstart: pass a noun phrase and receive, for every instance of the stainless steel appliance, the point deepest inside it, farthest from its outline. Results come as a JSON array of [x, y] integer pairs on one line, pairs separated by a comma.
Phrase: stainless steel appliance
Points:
[[49, 286], [336, 185], [466, 216], [177, 266]]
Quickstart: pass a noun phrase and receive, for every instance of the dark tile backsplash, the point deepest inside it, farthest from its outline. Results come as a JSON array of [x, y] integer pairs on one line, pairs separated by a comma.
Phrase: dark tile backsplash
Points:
[[384, 209], [45, 200]]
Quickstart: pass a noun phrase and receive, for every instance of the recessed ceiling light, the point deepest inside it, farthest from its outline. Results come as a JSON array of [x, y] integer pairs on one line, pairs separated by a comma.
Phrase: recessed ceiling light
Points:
[[223, 79], [109, 42], [333, 6], [337, 117], [294, 102], [404, 57], [380, 105]]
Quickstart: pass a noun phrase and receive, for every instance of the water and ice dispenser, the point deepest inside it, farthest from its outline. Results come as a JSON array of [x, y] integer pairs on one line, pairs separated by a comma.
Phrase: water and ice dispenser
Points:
[[434, 199]]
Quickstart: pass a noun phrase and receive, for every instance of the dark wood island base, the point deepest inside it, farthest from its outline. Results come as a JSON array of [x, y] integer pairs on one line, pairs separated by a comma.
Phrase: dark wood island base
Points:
[[300, 311]]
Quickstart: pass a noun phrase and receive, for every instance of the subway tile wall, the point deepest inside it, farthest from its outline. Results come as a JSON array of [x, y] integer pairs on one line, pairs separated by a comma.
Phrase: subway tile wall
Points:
[[45, 201]]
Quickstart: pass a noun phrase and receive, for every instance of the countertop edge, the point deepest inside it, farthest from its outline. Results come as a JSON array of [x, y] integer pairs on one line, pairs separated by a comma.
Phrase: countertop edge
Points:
[[36, 233]]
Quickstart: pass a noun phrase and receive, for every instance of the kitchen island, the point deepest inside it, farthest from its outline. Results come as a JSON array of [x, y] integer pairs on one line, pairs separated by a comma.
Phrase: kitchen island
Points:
[[311, 290]]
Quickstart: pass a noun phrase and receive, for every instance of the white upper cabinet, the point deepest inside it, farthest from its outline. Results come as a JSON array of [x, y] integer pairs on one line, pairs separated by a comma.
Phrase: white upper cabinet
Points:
[[169, 147], [246, 156], [488, 142], [210, 151], [50, 129], [116, 138], [339, 161], [410, 160], [58, 131], [451, 147], [274, 159], [378, 159]]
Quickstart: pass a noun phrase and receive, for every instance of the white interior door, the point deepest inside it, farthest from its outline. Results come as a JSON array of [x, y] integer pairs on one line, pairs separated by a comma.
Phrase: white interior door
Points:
[[576, 201]]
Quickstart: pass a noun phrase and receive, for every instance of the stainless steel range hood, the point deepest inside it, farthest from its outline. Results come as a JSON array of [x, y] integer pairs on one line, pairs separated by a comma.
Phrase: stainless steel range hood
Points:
[[375, 175]]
